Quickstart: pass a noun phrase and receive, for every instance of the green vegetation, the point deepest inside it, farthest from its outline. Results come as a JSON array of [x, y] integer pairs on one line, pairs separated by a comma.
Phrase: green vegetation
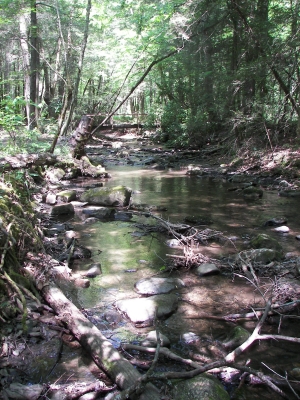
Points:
[[202, 71]]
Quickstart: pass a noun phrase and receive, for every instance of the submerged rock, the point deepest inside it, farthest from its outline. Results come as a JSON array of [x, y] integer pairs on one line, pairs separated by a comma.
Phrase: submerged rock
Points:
[[290, 193], [151, 340], [145, 310], [201, 387], [99, 212], [150, 286], [252, 193], [93, 271]]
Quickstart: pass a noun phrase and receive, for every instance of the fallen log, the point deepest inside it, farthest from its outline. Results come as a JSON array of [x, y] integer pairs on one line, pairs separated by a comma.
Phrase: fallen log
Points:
[[100, 349]]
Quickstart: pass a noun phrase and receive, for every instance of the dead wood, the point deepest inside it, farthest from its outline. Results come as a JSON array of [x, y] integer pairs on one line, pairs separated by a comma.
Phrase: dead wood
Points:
[[163, 351], [100, 349], [26, 161]]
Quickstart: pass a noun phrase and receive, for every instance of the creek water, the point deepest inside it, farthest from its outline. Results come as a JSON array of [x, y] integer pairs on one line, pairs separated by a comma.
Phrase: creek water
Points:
[[120, 246]]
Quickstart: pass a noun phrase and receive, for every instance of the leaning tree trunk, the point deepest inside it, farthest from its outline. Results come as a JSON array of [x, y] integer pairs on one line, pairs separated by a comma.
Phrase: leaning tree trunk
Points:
[[80, 137], [101, 350]]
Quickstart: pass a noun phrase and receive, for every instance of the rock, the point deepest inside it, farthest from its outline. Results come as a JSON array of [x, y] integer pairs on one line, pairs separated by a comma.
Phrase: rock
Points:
[[150, 286], [252, 193], [23, 392], [190, 337], [297, 237], [50, 198], [112, 317], [62, 209], [275, 221], [54, 175], [123, 216], [82, 283], [263, 256], [282, 229], [295, 372], [81, 252], [99, 212], [146, 207], [67, 196], [197, 219], [151, 340], [207, 269], [146, 310], [201, 387], [91, 220], [236, 337], [289, 193], [265, 241], [173, 242], [116, 196], [93, 271]]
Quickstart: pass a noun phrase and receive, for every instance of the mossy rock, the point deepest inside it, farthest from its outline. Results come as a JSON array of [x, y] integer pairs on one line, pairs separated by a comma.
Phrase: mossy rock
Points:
[[253, 192], [265, 241], [236, 337], [116, 196], [201, 387], [67, 195]]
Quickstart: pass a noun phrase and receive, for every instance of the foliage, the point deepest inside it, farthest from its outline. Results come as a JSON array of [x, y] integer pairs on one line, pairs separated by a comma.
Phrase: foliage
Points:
[[230, 58]]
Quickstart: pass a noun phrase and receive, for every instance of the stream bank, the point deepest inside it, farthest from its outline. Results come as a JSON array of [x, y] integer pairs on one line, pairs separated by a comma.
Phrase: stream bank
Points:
[[203, 348]]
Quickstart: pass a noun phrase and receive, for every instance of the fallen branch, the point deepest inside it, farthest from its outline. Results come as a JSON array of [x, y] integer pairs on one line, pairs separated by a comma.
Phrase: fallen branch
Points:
[[100, 349]]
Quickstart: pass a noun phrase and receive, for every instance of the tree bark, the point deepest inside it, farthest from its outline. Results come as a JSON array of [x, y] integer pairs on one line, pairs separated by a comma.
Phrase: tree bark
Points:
[[74, 93], [34, 66], [26, 64], [101, 350]]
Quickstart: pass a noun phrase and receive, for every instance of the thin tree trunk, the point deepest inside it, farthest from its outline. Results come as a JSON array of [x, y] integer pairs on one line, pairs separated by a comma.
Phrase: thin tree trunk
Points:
[[34, 66], [66, 120], [26, 64]]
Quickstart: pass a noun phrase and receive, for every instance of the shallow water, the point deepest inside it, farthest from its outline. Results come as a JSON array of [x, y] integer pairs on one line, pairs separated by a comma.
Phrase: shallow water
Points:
[[119, 246]]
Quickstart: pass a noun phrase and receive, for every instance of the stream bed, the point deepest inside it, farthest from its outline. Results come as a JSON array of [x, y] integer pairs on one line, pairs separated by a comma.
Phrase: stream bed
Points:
[[127, 255]]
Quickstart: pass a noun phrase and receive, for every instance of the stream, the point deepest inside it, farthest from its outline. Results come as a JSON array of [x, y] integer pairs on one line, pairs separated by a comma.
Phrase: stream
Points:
[[127, 255]]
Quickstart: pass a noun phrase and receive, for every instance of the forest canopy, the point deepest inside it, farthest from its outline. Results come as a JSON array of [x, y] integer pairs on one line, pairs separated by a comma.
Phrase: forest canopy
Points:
[[194, 69]]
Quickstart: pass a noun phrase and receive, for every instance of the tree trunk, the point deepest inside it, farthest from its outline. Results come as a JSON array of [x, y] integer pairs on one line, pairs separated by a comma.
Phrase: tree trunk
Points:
[[26, 64], [101, 350], [34, 66], [68, 115]]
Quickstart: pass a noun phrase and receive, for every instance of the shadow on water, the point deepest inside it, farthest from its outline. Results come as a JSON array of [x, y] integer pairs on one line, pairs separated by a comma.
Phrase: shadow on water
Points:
[[127, 255]]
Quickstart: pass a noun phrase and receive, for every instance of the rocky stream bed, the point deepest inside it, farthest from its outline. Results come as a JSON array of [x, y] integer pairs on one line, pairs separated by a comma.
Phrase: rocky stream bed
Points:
[[197, 310]]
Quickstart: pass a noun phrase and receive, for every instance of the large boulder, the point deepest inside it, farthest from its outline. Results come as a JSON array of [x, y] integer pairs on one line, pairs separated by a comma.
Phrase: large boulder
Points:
[[144, 311], [201, 387], [118, 196], [155, 285]]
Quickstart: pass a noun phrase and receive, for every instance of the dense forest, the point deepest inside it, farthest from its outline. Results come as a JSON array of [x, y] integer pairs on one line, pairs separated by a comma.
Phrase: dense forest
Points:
[[196, 69], [209, 93]]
